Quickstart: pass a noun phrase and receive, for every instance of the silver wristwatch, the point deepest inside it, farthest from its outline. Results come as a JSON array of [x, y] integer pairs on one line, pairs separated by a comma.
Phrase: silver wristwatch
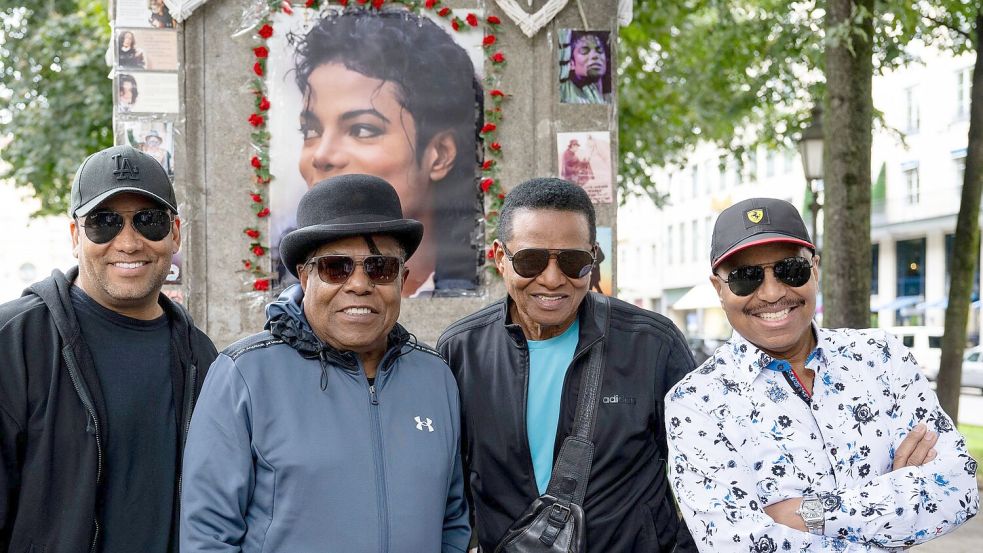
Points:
[[812, 512]]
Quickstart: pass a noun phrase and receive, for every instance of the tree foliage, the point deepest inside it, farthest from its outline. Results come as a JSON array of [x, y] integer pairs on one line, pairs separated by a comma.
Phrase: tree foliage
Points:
[[55, 98]]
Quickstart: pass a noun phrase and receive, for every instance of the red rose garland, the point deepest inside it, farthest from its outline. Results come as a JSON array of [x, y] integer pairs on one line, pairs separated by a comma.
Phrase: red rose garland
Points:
[[259, 162]]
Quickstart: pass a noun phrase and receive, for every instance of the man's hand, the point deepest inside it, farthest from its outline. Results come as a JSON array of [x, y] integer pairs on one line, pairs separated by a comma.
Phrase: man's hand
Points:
[[784, 513], [916, 449]]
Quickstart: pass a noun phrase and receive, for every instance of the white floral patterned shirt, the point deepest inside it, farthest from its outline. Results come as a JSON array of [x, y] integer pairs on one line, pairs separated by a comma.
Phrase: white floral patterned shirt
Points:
[[744, 434]]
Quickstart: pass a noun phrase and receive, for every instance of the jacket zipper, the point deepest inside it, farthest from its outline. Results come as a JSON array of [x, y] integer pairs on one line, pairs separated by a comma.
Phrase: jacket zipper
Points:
[[381, 491], [193, 378], [73, 373]]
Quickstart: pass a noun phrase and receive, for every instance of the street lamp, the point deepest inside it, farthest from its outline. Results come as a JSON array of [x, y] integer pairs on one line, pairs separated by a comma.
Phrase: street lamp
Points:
[[811, 151]]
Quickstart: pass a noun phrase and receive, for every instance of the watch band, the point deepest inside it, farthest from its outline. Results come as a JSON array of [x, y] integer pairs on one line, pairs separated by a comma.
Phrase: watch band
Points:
[[813, 514]]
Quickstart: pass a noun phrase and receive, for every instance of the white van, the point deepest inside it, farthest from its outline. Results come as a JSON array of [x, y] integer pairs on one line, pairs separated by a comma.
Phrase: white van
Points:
[[925, 343]]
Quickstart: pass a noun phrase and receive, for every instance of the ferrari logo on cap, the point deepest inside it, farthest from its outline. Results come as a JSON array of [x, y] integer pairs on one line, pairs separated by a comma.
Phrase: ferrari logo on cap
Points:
[[755, 215]]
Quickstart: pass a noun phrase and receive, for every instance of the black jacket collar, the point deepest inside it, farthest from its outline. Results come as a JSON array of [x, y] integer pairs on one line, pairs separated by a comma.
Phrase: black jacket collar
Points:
[[588, 315]]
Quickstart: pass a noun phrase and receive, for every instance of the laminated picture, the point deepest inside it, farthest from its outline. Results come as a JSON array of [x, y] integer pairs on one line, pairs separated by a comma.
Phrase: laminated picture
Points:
[[390, 94], [146, 49], [146, 92], [585, 67], [600, 277], [584, 158], [143, 13], [154, 138]]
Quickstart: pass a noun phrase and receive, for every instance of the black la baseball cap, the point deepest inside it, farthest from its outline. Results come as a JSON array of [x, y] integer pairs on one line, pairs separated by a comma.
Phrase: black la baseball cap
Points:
[[114, 171], [753, 222]]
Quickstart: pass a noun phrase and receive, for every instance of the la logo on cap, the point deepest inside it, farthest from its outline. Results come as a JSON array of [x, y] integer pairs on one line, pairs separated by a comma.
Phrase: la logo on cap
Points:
[[755, 215], [125, 170]]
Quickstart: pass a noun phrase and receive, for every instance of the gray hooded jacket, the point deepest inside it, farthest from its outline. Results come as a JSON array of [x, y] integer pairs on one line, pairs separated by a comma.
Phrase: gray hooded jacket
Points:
[[291, 449]]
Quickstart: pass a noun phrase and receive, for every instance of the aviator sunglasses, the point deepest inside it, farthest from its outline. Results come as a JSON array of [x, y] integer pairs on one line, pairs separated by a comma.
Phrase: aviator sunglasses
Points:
[[154, 224], [336, 269], [793, 271], [530, 262]]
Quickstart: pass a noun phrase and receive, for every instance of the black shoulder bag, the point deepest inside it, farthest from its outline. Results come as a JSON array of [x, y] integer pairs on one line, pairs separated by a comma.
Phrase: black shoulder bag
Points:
[[554, 522]]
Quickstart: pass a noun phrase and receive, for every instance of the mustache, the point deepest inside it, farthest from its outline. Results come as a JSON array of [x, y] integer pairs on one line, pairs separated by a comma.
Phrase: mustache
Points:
[[780, 304]]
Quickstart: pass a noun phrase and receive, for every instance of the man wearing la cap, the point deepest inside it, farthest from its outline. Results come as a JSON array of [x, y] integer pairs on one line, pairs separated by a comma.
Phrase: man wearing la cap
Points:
[[793, 437], [99, 373], [333, 429]]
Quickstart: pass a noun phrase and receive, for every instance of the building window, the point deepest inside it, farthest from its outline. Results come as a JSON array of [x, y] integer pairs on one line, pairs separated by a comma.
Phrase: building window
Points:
[[875, 258], [752, 166], [695, 241], [911, 267], [912, 117], [789, 160], [770, 163], [964, 83], [912, 187], [670, 258], [695, 175], [959, 163]]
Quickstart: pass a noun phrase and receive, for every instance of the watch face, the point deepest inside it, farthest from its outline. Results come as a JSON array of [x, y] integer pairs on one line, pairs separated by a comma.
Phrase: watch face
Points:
[[812, 510]]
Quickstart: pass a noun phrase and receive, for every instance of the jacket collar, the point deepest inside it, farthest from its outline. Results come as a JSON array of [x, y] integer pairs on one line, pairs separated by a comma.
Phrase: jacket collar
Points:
[[749, 360], [591, 329]]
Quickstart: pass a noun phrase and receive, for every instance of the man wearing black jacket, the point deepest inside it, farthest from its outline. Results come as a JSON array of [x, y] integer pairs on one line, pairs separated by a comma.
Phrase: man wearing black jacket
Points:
[[519, 362], [99, 373]]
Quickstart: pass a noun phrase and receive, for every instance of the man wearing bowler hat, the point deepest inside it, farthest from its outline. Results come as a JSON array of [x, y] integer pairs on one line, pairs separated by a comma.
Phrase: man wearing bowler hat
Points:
[[99, 373], [793, 437], [333, 429]]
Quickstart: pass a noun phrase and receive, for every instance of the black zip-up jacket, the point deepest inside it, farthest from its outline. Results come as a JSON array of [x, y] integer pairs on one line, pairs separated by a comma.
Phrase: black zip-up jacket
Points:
[[52, 433], [629, 507]]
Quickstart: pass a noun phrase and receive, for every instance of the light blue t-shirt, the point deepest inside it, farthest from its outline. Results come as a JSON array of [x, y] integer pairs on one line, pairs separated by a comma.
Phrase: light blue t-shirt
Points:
[[548, 363]]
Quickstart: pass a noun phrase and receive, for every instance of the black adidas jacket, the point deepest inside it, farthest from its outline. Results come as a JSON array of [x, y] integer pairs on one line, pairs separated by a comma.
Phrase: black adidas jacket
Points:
[[51, 412], [629, 507]]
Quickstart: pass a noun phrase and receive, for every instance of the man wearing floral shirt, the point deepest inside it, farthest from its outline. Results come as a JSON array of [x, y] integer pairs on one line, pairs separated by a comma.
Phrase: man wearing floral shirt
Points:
[[799, 438]]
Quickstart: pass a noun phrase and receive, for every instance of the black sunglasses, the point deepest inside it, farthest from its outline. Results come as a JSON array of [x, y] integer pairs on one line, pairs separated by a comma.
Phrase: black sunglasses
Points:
[[102, 226], [337, 269], [530, 262], [793, 271]]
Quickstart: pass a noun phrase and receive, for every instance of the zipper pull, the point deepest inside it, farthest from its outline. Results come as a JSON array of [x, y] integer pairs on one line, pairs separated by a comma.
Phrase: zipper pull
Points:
[[372, 396]]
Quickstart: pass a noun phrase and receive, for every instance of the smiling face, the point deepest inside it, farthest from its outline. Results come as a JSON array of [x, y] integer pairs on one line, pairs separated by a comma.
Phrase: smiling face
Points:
[[126, 273], [126, 89], [127, 40], [588, 61], [544, 305], [775, 317], [356, 124], [355, 315]]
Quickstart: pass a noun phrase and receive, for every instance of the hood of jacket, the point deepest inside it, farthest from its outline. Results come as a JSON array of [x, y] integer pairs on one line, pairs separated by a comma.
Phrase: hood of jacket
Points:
[[285, 320]]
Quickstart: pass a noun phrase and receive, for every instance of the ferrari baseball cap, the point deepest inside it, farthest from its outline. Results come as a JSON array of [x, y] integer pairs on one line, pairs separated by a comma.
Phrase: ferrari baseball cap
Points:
[[114, 171], [753, 222]]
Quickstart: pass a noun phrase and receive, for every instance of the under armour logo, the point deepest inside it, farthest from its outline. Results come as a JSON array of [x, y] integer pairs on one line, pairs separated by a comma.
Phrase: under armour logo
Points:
[[421, 423], [124, 169]]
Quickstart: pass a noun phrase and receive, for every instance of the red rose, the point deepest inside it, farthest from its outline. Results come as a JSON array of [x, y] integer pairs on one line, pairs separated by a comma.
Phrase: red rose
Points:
[[252, 233], [377, 3], [361, 1], [501, 195], [343, 2], [487, 164], [491, 253], [496, 93], [264, 104], [430, 4], [495, 146], [258, 68], [493, 20], [261, 52], [486, 184], [455, 25], [472, 20], [263, 212], [488, 41], [258, 250], [266, 31], [261, 284], [256, 119], [256, 163], [444, 12], [489, 127], [256, 197], [498, 57], [247, 264], [309, 3], [285, 6]]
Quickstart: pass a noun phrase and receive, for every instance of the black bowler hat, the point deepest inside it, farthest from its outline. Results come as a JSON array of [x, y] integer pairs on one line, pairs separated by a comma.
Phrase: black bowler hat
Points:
[[753, 222], [343, 206]]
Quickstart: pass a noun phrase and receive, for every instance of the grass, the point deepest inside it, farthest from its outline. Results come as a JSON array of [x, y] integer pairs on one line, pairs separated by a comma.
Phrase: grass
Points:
[[974, 440]]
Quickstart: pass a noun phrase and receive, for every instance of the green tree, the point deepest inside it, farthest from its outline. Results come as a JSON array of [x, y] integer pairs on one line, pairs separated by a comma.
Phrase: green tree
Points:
[[55, 100]]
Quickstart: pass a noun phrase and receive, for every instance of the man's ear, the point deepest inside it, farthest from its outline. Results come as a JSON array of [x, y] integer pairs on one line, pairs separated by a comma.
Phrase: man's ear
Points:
[[498, 253], [73, 227], [717, 284], [302, 275], [438, 160], [176, 230]]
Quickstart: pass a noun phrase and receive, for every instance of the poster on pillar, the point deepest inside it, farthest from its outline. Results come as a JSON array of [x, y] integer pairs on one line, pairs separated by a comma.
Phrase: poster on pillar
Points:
[[392, 94], [600, 277], [585, 66], [584, 158]]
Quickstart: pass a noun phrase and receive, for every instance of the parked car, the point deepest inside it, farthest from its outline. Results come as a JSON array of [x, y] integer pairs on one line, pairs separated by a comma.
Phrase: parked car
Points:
[[925, 343], [973, 368]]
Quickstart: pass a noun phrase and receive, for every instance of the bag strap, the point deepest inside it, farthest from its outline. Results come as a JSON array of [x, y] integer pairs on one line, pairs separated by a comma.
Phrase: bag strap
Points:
[[571, 471]]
